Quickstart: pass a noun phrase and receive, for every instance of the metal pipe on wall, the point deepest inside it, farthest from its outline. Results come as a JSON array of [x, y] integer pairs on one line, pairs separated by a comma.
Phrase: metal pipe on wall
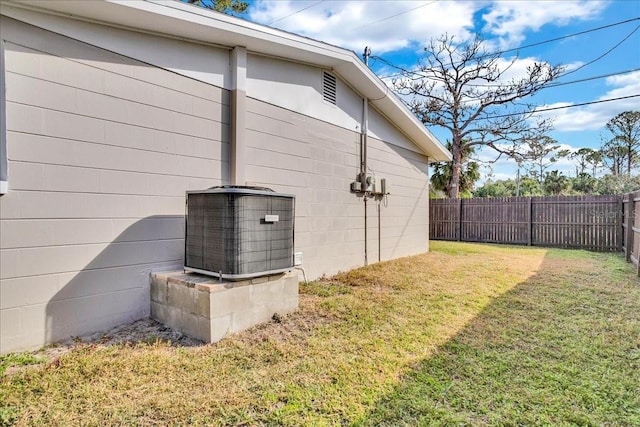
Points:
[[363, 163]]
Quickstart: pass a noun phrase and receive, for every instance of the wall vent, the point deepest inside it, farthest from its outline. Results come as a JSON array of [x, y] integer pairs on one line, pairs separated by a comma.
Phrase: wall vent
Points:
[[329, 87], [237, 233]]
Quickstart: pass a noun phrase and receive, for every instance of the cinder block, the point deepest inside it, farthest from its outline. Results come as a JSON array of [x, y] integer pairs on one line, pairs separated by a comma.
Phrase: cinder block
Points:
[[230, 301], [276, 277], [159, 289], [179, 295], [244, 319], [201, 304], [209, 310], [290, 284], [196, 326], [258, 280], [159, 312], [174, 318], [265, 292], [219, 327]]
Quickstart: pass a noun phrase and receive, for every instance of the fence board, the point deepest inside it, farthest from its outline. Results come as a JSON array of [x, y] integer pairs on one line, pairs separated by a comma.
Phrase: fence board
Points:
[[581, 222]]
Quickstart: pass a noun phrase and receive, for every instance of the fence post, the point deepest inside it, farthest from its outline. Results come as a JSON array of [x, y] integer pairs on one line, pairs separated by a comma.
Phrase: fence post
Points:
[[459, 220], [620, 222], [530, 221], [629, 222]]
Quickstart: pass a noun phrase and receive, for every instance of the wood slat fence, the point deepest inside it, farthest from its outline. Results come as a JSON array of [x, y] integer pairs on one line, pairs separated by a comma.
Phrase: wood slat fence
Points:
[[630, 218], [584, 222], [598, 223]]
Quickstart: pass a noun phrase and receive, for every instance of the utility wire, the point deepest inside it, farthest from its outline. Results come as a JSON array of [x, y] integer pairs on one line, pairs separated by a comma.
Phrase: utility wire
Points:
[[393, 16], [542, 110], [295, 13], [405, 71], [603, 55], [637, 18], [602, 76], [582, 104]]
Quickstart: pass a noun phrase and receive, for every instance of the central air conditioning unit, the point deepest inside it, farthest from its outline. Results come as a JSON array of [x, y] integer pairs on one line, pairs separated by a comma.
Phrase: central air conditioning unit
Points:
[[238, 233]]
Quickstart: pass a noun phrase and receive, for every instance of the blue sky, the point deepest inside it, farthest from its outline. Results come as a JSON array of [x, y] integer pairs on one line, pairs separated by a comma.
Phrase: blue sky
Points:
[[397, 31]]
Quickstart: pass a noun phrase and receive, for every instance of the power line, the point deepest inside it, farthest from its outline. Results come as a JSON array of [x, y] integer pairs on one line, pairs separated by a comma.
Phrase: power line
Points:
[[592, 78], [604, 54], [582, 104], [404, 71], [296, 12], [393, 16], [637, 18], [550, 85]]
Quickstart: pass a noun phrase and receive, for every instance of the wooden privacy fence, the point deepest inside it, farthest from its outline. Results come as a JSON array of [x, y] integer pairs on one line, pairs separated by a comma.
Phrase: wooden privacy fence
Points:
[[630, 214], [583, 222]]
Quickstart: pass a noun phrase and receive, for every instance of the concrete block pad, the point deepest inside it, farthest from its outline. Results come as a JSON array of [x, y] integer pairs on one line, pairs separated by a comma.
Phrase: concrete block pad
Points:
[[159, 312], [159, 290], [195, 326], [230, 301], [201, 306], [258, 280], [179, 295], [266, 291], [219, 327], [206, 309]]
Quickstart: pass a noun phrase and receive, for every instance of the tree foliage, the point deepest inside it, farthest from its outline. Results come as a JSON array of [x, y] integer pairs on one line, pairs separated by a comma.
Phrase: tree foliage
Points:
[[556, 183], [539, 155], [223, 6], [588, 161], [463, 88], [622, 150], [470, 173]]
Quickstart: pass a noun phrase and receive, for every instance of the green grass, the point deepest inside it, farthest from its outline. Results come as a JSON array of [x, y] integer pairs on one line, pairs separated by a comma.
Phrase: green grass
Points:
[[465, 335]]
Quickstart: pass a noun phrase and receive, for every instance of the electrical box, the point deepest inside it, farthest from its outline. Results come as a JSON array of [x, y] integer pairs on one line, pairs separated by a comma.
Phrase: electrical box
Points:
[[371, 183], [297, 258], [356, 186]]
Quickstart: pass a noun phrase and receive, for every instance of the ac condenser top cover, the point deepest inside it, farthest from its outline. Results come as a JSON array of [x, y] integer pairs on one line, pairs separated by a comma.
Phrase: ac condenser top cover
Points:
[[239, 232]]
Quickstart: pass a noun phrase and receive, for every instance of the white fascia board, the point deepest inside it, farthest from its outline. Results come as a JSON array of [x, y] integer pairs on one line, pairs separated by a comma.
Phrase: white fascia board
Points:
[[184, 21]]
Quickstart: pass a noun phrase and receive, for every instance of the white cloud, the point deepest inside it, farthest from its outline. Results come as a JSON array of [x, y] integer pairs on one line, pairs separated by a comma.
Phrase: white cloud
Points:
[[391, 25], [595, 116], [356, 24], [510, 20]]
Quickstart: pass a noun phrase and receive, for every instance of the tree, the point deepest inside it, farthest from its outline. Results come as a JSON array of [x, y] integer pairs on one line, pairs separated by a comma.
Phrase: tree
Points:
[[583, 183], [555, 183], [625, 128], [526, 186], [586, 157], [463, 89], [621, 184], [470, 173], [223, 6], [613, 156], [539, 155]]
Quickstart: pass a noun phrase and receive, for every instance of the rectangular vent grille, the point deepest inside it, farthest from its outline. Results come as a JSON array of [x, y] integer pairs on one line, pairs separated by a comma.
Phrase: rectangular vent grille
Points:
[[329, 87]]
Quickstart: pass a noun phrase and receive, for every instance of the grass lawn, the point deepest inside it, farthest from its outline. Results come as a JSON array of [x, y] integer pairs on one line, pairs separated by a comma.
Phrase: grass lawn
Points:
[[464, 335]]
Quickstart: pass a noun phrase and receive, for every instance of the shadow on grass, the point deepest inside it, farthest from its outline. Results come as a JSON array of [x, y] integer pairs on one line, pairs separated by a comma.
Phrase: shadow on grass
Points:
[[562, 348]]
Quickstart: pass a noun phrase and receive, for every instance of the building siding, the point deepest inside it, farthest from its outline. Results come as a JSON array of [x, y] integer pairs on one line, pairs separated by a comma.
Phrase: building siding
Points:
[[317, 161], [101, 149]]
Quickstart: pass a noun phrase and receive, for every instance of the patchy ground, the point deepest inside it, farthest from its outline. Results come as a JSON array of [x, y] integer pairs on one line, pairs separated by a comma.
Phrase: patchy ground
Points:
[[465, 335]]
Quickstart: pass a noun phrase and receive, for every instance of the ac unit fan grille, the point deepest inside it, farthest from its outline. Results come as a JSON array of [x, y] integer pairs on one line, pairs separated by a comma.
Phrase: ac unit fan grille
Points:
[[226, 232]]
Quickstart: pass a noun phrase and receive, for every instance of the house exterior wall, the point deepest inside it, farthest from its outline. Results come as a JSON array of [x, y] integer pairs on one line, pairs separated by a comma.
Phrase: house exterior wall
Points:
[[317, 161], [102, 147]]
